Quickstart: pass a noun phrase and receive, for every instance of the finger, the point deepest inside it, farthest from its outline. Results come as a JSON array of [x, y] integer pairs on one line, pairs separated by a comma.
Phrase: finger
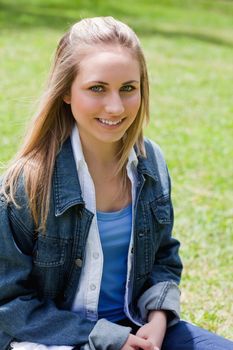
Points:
[[140, 334], [143, 344], [154, 342]]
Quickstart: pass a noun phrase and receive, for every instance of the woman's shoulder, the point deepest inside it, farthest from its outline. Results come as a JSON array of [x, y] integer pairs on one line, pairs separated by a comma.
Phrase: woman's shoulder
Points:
[[19, 189], [155, 166], [15, 208], [154, 152], [15, 203]]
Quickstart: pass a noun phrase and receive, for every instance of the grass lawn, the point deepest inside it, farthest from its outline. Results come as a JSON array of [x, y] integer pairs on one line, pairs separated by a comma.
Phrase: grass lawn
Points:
[[188, 45]]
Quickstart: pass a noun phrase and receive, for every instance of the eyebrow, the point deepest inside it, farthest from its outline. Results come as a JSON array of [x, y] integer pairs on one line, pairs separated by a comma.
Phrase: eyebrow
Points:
[[104, 83]]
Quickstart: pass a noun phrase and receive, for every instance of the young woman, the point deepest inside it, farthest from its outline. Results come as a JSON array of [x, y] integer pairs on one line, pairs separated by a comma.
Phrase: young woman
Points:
[[87, 260]]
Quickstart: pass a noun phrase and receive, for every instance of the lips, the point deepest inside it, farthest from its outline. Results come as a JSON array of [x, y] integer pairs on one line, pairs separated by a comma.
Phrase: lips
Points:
[[109, 122]]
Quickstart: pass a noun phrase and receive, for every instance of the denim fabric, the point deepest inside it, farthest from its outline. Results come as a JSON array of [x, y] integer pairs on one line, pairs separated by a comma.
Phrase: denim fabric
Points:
[[39, 274], [186, 336]]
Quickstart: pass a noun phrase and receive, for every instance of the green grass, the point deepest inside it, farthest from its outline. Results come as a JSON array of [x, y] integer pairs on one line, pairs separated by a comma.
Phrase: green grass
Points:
[[188, 45]]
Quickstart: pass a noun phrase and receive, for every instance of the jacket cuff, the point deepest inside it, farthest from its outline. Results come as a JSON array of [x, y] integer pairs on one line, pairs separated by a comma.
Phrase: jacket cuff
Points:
[[35, 346], [162, 296], [107, 335]]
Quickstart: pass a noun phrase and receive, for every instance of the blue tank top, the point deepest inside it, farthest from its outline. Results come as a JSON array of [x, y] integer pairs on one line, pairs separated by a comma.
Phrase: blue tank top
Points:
[[115, 233]]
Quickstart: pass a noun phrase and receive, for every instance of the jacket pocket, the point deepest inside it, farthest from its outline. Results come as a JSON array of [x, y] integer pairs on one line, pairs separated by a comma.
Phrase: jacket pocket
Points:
[[162, 210], [49, 252], [48, 273], [153, 223], [161, 220]]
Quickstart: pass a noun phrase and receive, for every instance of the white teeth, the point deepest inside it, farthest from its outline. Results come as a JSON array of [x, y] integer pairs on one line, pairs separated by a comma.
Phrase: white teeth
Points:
[[109, 122]]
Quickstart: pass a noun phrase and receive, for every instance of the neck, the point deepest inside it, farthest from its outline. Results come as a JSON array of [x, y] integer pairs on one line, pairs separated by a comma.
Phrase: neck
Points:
[[104, 154], [112, 188]]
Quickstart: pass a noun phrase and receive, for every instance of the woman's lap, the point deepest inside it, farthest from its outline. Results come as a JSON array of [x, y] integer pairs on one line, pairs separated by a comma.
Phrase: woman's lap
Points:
[[185, 336]]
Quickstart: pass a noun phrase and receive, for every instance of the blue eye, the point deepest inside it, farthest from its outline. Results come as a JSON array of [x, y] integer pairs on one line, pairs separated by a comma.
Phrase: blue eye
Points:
[[127, 88], [96, 88]]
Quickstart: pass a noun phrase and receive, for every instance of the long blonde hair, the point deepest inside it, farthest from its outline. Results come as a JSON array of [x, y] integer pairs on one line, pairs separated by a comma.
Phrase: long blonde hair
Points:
[[53, 121]]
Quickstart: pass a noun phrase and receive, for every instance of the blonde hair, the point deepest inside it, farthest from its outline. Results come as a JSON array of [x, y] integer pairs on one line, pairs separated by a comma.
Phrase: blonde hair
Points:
[[53, 121]]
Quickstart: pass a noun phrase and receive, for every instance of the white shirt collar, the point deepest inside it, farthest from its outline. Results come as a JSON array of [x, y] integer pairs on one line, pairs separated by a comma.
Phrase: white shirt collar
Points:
[[77, 147], [132, 159]]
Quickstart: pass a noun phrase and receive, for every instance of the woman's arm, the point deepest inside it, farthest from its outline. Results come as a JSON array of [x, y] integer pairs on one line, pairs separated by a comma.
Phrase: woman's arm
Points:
[[161, 288], [23, 316], [154, 331], [26, 317]]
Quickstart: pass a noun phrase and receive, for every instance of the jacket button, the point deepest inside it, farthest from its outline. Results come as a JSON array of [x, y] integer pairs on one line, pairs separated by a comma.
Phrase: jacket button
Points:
[[78, 262], [93, 286], [95, 255]]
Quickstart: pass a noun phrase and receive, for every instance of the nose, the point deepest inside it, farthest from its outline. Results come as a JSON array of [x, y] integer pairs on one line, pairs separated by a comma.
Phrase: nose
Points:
[[114, 104]]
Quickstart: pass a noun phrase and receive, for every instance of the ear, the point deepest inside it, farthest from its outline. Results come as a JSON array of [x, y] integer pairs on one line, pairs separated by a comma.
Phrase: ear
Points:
[[67, 99]]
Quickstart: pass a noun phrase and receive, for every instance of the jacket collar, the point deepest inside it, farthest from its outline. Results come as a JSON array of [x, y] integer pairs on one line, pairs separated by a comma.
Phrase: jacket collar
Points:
[[145, 167], [66, 186], [148, 165]]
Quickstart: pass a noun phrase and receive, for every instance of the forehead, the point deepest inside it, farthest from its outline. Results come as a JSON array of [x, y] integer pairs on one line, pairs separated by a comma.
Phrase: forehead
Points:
[[110, 62]]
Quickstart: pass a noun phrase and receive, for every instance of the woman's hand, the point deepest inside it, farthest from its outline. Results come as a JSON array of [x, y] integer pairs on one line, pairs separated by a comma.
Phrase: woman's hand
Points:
[[155, 329], [135, 343]]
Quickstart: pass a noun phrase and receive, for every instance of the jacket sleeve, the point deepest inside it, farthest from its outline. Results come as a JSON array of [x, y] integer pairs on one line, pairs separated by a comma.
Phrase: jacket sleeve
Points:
[[105, 336], [162, 292], [23, 315], [26, 317], [35, 346]]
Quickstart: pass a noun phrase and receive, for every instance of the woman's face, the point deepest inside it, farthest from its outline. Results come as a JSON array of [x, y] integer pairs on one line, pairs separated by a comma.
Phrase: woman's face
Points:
[[105, 96]]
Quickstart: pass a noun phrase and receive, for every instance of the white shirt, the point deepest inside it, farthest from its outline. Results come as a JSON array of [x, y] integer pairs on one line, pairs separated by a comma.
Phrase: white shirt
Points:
[[87, 295]]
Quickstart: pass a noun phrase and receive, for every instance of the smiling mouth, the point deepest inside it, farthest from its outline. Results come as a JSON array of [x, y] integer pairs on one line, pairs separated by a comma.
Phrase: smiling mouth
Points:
[[109, 122]]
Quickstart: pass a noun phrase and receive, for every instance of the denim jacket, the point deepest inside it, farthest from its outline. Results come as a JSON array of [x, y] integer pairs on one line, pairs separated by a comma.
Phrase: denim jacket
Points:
[[39, 273]]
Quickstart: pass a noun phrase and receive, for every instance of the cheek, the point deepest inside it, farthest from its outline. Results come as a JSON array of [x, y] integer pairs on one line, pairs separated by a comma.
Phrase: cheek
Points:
[[134, 103], [83, 104]]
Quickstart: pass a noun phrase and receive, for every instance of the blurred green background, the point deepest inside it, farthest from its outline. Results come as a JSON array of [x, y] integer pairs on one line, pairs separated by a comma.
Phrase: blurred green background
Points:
[[189, 50]]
